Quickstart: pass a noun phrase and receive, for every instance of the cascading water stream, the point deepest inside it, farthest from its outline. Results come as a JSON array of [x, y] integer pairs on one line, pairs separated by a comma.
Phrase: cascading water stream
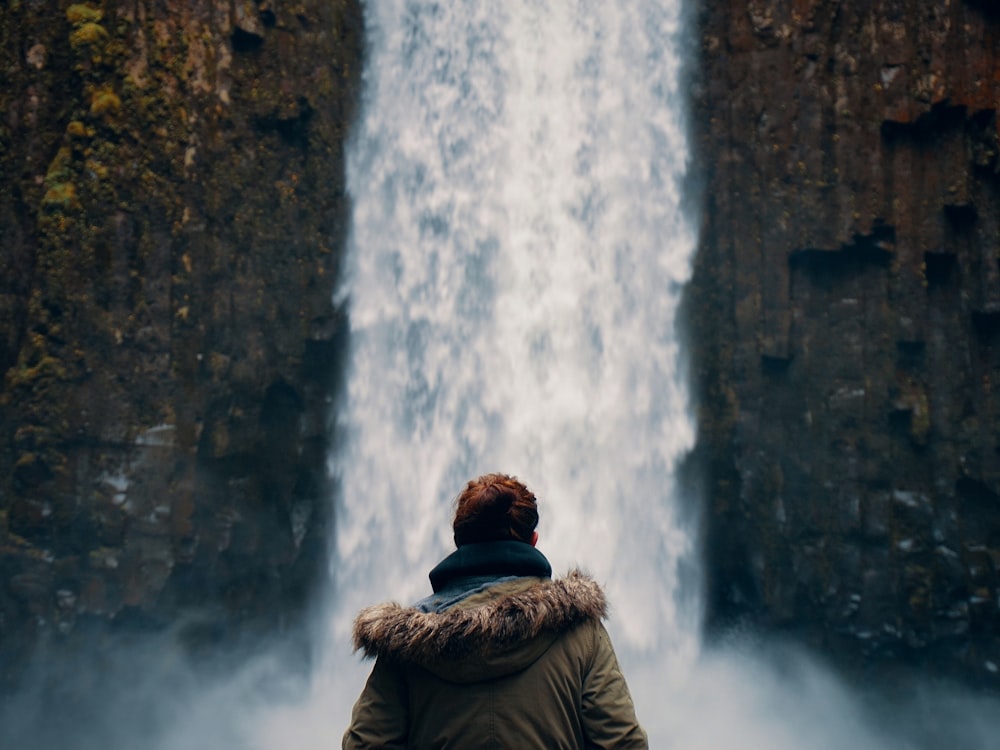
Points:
[[517, 256]]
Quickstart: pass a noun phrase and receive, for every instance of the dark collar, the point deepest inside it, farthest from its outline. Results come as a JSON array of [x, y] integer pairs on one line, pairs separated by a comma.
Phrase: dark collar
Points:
[[507, 558]]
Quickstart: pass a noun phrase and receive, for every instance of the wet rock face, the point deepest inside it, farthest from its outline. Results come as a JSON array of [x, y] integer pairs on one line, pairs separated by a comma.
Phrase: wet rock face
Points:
[[846, 324], [171, 223]]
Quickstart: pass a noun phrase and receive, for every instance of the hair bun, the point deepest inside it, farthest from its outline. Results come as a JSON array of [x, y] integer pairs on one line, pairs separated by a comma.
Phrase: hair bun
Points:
[[495, 507]]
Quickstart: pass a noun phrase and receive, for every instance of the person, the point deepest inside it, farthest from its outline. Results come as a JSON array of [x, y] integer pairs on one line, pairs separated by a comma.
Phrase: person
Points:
[[500, 655]]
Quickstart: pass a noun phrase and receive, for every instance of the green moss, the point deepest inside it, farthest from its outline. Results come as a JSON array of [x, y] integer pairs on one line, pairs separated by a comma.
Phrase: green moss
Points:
[[46, 369], [59, 170], [61, 197]]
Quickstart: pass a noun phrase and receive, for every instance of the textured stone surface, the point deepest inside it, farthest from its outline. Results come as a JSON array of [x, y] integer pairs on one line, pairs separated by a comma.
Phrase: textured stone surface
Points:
[[846, 320], [171, 220]]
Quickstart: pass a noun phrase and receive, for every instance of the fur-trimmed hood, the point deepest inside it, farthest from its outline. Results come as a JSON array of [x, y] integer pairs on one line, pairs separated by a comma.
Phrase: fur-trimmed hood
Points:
[[513, 624]]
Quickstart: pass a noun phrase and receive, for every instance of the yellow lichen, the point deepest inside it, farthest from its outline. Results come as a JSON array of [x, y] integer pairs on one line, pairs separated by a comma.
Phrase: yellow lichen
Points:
[[104, 102], [99, 170], [27, 459], [60, 197], [46, 369], [88, 34], [81, 13], [76, 129], [59, 169]]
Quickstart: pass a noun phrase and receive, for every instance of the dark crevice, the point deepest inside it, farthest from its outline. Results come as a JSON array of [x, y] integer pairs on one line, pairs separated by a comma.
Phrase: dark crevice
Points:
[[977, 495], [282, 405], [984, 144], [987, 324], [293, 130], [244, 41], [926, 128], [939, 268], [866, 250], [900, 424], [961, 215], [774, 367], [989, 8], [910, 354], [980, 512]]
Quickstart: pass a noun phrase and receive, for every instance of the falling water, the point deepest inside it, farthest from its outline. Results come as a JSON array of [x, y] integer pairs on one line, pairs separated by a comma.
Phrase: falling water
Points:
[[517, 257]]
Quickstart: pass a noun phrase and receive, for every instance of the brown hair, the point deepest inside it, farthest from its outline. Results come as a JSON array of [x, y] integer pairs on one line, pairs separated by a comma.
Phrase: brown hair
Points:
[[495, 507]]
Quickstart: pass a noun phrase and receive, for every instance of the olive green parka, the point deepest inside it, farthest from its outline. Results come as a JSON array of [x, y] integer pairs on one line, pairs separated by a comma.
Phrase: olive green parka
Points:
[[524, 663]]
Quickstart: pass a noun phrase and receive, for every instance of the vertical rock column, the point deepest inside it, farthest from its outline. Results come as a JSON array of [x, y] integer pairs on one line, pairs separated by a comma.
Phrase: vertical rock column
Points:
[[845, 320], [171, 224]]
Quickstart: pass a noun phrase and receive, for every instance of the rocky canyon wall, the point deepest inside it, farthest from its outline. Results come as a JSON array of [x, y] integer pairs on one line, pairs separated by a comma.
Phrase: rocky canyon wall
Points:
[[171, 222], [845, 319]]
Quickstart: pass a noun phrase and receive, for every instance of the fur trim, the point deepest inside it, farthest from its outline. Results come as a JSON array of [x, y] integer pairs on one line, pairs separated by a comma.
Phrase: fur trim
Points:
[[413, 635]]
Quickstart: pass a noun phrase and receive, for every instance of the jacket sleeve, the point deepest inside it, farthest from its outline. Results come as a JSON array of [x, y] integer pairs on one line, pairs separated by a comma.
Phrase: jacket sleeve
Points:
[[608, 714], [379, 718]]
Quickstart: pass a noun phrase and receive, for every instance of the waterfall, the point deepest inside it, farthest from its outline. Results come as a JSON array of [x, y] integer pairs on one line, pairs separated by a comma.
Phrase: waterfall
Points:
[[517, 255], [518, 251]]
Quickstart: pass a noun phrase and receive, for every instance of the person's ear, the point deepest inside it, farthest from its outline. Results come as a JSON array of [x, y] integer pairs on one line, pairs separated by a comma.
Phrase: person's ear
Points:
[[534, 538]]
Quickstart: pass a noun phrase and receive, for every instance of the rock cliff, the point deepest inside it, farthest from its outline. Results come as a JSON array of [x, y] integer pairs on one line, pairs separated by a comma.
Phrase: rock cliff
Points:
[[846, 325], [171, 223]]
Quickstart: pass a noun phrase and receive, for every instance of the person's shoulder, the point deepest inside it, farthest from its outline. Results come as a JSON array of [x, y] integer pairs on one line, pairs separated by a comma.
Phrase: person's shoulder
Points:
[[582, 593], [517, 613]]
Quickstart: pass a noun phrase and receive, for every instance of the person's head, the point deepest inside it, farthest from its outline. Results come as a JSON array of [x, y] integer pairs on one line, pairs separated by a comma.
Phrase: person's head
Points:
[[495, 507]]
